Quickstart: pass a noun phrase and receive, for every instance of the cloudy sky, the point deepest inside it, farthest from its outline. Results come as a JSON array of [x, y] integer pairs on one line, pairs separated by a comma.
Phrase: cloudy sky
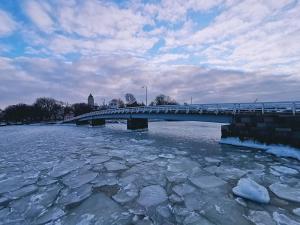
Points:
[[213, 51]]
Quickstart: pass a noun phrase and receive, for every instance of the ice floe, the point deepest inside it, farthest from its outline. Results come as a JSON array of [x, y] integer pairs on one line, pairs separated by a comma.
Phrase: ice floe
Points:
[[183, 189], [115, 165], [64, 168], [126, 194], [196, 219], [282, 219], [207, 181], [77, 179], [27, 190], [97, 209], [261, 218], [76, 196], [286, 192], [251, 190], [152, 195], [284, 169], [51, 214], [296, 211]]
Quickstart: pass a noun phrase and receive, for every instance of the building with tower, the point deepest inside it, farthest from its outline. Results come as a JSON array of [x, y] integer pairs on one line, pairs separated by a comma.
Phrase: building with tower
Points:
[[91, 102]]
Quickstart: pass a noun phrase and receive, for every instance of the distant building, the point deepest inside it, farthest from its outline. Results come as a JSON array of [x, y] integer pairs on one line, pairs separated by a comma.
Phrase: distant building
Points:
[[91, 102]]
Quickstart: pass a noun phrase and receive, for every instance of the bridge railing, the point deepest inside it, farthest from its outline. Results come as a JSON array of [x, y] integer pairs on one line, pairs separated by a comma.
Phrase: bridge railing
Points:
[[218, 108]]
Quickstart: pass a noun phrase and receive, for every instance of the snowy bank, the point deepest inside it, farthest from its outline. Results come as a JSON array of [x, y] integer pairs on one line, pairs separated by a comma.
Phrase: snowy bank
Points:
[[278, 150]]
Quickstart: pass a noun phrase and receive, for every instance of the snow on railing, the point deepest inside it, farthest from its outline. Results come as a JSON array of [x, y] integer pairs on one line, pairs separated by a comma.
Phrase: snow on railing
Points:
[[218, 108]]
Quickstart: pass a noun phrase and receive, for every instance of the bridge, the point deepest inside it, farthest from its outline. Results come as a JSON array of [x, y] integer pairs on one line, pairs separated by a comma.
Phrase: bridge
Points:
[[268, 122]]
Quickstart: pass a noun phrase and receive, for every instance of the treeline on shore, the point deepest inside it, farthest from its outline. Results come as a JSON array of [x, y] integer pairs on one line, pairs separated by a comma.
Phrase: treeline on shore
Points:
[[48, 109]]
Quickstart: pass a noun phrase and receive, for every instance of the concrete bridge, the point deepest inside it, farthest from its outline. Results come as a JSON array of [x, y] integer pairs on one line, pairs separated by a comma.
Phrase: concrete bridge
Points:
[[268, 122]]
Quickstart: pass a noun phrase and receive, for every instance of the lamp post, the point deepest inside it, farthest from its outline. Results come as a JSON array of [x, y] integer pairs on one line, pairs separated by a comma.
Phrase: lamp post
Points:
[[146, 88]]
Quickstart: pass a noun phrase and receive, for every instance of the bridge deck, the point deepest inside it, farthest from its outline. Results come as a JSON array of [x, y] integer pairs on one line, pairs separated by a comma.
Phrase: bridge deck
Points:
[[219, 113]]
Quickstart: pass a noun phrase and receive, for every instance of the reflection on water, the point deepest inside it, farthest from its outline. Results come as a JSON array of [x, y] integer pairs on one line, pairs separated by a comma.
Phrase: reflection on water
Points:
[[175, 173]]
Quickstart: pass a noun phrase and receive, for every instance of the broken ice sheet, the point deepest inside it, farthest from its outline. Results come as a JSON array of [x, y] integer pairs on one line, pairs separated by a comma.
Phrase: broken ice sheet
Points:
[[76, 196], [78, 179], [152, 195]]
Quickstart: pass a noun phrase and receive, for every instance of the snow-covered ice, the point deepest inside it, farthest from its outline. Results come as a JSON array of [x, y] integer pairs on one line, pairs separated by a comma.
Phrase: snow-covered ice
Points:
[[249, 189]]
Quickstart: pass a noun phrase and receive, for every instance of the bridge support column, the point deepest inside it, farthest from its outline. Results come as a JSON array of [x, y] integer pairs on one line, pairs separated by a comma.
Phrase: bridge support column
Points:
[[268, 129], [84, 122], [137, 123], [97, 122]]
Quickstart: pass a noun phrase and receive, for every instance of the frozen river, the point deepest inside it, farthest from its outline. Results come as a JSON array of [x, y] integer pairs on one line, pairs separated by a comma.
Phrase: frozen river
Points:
[[175, 173]]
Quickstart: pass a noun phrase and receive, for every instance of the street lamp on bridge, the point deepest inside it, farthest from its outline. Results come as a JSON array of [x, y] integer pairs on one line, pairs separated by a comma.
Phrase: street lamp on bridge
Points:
[[146, 88]]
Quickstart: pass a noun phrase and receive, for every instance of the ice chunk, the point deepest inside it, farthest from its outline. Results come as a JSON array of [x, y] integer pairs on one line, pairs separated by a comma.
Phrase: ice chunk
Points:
[[284, 169], [152, 195], [97, 209], [46, 180], [176, 177], [286, 192], [183, 189], [207, 181], [226, 172], [11, 184], [51, 214], [108, 179], [249, 189], [196, 219], [166, 156], [220, 209], [194, 201], [76, 196], [282, 219], [175, 198], [64, 168], [296, 211], [76, 180], [115, 165], [22, 192], [99, 159], [3, 200], [163, 211], [149, 157], [241, 201], [45, 196], [127, 194], [212, 160], [261, 218]]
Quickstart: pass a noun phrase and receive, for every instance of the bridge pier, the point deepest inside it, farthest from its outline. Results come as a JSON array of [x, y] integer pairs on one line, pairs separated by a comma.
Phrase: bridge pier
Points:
[[97, 122], [137, 123], [84, 122], [268, 129]]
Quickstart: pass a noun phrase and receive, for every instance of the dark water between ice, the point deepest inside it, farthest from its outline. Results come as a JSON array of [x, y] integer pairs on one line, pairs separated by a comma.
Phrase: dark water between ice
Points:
[[175, 173]]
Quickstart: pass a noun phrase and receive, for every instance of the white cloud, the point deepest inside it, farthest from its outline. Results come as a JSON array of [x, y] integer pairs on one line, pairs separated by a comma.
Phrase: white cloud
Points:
[[93, 18], [250, 47], [7, 24], [38, 12]]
